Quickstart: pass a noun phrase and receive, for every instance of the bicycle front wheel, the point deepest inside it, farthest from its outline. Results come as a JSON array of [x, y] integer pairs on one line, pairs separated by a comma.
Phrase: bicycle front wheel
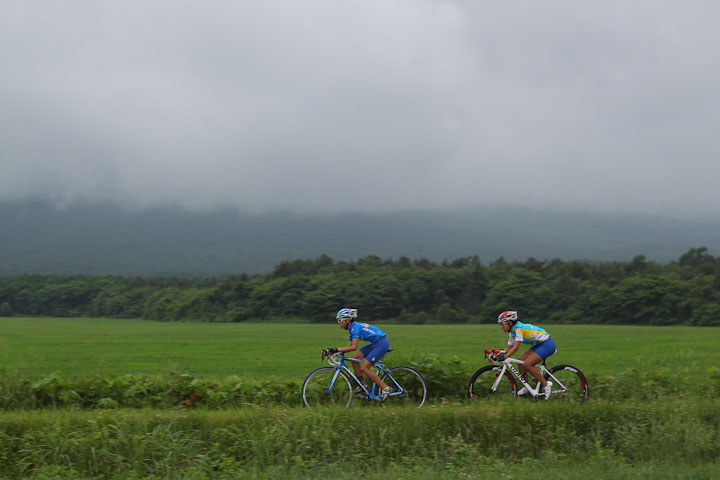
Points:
[[483, 386], [326, 386], [569, 384], [409, 387]]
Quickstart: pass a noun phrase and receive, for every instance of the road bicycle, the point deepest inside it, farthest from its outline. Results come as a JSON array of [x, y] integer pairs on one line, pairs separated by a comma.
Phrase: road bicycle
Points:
[[501, 379], [338, 385]]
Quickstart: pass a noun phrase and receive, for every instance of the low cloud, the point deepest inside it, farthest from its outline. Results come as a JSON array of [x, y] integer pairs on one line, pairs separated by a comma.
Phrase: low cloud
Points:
[[363, 106]]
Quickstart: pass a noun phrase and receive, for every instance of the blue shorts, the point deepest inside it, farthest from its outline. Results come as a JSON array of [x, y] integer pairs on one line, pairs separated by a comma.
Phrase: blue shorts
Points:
[[545, 349], [375, 351]]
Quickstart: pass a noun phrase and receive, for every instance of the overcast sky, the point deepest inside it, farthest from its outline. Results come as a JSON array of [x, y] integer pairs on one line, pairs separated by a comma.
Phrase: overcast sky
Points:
[[363, 105]]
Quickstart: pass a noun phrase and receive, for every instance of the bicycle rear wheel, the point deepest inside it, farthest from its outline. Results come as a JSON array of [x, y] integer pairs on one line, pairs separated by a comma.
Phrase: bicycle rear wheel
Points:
[[409, 387], [572, 387], [482, 381], [326, 386]]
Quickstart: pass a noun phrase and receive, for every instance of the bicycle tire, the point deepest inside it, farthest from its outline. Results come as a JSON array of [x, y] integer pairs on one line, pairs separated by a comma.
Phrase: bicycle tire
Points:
[[410, 382], [481, 382], [316, 384], [575, 382]]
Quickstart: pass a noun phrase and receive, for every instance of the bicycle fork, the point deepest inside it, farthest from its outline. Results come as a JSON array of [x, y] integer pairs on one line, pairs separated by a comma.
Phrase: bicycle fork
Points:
[[498, 377]]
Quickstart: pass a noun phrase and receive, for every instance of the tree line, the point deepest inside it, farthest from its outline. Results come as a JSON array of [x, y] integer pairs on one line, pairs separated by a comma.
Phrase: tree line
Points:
[[685, 291]]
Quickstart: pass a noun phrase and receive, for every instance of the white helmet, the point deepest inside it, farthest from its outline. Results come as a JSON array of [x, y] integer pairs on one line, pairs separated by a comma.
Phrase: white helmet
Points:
[[509, 316], [349, 313]]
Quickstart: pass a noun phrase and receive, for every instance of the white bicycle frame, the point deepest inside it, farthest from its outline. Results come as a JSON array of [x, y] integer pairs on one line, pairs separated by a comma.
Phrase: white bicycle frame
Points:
[[558, 387]]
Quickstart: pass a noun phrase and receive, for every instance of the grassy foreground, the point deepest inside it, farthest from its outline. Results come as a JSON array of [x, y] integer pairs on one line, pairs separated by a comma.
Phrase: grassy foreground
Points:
[[664, 439], [645, 419], [34, 347]]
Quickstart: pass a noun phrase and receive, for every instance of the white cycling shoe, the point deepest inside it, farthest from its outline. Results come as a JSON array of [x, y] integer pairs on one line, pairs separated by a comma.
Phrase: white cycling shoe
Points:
[[522, 391], [548, 390]]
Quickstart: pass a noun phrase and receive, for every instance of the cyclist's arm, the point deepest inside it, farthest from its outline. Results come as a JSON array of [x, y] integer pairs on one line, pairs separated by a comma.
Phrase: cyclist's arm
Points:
[[351, 347], [510, 349]]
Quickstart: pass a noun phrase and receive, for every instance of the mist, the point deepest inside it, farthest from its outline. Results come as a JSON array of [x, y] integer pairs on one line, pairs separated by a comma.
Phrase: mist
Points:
[[334, 106]]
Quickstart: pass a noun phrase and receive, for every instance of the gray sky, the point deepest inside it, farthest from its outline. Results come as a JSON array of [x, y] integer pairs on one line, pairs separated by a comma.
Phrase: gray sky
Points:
[[372, 105]]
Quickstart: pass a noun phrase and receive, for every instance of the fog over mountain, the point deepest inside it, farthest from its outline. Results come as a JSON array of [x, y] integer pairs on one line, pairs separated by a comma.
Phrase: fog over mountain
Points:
[[164, 137], [362, 106], [104, 239]]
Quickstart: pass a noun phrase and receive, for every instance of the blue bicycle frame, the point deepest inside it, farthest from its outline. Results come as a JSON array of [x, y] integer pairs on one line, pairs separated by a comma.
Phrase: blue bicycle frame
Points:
[[339, 364]]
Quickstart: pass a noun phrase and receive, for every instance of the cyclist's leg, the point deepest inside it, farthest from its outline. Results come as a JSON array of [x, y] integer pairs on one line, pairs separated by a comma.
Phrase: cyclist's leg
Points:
[[535, 355], [359, 355], [366, 366], [373, 355], [531, 359]]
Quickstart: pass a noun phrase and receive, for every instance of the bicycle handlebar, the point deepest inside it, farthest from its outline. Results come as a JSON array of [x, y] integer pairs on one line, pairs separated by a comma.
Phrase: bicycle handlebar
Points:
[[499, 356], [492, 354], [331, 358], [334, 359]]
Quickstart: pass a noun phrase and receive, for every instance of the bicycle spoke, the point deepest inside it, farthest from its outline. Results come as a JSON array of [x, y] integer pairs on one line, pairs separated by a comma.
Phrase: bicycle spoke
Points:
[[481, 384], [316, 389], [408, 386], [574, 383]]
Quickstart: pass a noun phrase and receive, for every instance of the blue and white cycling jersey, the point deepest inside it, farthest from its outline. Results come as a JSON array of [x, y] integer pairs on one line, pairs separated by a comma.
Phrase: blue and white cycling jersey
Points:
[[526, 333], [365, 332]]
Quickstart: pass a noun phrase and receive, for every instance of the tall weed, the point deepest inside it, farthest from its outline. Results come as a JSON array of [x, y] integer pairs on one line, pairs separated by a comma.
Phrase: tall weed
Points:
[[446, 379], [620, 437]]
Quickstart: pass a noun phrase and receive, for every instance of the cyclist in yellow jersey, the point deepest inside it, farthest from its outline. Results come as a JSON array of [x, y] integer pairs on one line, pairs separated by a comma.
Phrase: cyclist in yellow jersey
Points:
[[542, 347]]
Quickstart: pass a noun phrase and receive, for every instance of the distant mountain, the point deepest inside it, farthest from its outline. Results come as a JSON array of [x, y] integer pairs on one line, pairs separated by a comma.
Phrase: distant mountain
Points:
[[105, 240]]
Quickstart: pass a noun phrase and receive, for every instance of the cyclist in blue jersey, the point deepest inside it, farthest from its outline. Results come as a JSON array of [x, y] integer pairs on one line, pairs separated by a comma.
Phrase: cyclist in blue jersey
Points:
[[372, 352], [542, 347]]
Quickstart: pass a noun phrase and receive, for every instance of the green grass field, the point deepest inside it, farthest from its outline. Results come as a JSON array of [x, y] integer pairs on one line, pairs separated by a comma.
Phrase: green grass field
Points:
[[645, 428], [32, 347]]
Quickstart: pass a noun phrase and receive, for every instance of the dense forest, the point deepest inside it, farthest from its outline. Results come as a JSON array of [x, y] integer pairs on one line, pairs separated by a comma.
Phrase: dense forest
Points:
[[685, 291]]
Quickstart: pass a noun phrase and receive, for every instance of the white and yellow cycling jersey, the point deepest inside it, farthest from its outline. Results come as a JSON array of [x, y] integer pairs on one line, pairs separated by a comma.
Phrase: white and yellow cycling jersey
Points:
[[526, 333]]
